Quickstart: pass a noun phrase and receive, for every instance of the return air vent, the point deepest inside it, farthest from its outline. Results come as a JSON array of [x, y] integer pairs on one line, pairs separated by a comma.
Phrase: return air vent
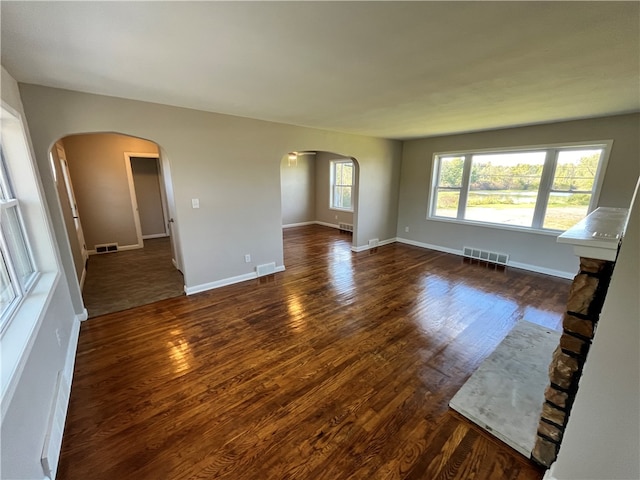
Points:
[[345, 227], [107, 248], [266, 269], [485, 255]]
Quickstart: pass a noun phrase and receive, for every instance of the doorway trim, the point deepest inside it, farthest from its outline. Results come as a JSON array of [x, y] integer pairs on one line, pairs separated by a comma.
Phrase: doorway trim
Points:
[[132, 192]]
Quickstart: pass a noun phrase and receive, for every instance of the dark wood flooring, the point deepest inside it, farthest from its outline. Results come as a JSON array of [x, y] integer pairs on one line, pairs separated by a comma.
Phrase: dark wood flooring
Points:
[[341, 367], [130, 278]]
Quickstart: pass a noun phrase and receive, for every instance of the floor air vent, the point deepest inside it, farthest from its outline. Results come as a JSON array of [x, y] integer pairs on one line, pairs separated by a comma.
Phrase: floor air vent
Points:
[[485, 255], [107, 248], [266, 269], [345, 227]]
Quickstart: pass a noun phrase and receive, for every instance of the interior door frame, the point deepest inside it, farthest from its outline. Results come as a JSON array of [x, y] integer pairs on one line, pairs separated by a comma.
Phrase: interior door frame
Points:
[[163, 193], [132, 192]]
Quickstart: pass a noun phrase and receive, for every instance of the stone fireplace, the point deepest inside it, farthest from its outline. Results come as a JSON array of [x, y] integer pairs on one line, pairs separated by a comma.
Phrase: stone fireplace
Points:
[[596, 241]]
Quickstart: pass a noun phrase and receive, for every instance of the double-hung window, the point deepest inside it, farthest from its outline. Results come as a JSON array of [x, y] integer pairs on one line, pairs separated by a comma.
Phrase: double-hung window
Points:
[[17, 269], [548, 188], [342, 185]]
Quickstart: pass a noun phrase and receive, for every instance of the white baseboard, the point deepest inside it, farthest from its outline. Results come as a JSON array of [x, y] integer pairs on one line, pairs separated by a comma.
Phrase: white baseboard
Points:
[[155, 235], [81, 317], [225, 281], [523, 266], [300, 224], [363, 248], [325, 224], [437, 248]]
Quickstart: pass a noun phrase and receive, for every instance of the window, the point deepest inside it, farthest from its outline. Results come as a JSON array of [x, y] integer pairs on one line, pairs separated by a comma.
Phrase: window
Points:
[[540, 188], [342, 185], [17, 271]]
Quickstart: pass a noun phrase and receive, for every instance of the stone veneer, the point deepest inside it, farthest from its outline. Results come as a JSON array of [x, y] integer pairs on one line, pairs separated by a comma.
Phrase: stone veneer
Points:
[[586, 298]]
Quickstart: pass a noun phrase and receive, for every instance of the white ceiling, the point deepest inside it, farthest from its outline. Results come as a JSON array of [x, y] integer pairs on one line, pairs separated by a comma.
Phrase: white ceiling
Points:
[[388, 69]]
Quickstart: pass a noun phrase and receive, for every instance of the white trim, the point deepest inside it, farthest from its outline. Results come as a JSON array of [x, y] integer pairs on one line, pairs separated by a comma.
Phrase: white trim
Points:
[[155, 235], [132, 189], [548, 475], [225, 281], [81, 317], [380, 244], [72, 348], [120, 249], [18, 342], [299, 224], [83, 275], [325, 224], [510, 263], [429, 246]]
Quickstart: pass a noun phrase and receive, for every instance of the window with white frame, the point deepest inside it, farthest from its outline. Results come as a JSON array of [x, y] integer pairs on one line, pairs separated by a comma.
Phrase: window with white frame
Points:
[[342, 185], [548, 188], [17, 268]]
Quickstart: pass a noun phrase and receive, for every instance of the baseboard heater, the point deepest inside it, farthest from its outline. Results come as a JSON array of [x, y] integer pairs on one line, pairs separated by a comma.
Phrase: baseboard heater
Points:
[[345, 227], [485, 255]]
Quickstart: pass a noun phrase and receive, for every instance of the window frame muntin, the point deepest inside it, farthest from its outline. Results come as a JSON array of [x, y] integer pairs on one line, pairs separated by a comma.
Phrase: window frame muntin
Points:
[[606, 146]]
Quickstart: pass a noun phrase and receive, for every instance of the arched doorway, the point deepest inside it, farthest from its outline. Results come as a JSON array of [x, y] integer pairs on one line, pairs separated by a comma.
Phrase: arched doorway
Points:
[[116, 198], [319, 187]]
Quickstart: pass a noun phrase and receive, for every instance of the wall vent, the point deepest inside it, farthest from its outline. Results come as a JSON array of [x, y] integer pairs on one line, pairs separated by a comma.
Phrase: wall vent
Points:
[[107, 248], [345, 227], [485, 255], [373, 243], [266, 269], [57, 416]]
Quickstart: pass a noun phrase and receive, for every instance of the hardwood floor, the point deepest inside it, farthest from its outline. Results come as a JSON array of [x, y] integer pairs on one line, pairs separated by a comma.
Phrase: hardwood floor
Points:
[[130, 278], [341, 367]]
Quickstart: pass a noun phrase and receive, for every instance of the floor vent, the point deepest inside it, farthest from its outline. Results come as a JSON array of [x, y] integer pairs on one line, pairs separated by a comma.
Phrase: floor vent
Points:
[[485, 255], [345, 227], [266, 269], [57, 416], [107, 248]]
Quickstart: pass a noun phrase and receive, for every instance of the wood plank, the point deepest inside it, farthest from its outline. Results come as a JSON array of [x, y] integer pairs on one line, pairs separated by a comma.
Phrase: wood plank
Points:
[[340, 367]]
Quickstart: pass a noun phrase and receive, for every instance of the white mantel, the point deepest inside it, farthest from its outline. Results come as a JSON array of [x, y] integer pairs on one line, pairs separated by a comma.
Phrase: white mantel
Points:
[[598, 235]]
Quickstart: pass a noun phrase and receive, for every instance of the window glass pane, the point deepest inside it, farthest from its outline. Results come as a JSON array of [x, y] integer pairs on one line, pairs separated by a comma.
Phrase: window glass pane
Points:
[[7, 293], [576, 170], [18, 249], [447, 203], [451, 171], [503, 188], [564, 210]]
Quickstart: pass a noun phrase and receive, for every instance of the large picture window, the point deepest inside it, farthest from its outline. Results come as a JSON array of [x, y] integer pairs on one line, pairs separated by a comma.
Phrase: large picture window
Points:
[[342, 185], [541, 188]]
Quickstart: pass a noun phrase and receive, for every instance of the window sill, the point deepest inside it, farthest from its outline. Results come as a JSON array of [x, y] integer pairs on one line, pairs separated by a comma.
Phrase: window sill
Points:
[[19, 336], [341, 209], [497, 226]]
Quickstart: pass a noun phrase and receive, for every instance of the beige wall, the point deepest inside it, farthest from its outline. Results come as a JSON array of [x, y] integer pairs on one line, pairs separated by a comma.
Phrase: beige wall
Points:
[[297, 181], [540, 251], [232, 165], [323, 212], [99, 176], [146, 179]]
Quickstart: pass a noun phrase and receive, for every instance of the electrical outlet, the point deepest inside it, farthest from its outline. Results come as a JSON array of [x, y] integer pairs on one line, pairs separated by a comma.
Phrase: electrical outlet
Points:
[[406, 229], [247, 258], [58, 337], [195, 203], [336, 217]]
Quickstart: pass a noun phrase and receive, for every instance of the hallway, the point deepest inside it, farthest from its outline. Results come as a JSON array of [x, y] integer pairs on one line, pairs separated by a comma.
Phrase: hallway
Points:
[[122, 280]]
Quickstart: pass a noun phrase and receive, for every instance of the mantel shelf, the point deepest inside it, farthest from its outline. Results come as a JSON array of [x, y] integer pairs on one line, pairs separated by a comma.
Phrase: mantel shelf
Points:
[[598, 235]]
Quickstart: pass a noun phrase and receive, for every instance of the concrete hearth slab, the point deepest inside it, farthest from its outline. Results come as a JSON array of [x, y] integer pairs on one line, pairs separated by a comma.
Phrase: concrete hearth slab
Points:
[[505, 395]]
